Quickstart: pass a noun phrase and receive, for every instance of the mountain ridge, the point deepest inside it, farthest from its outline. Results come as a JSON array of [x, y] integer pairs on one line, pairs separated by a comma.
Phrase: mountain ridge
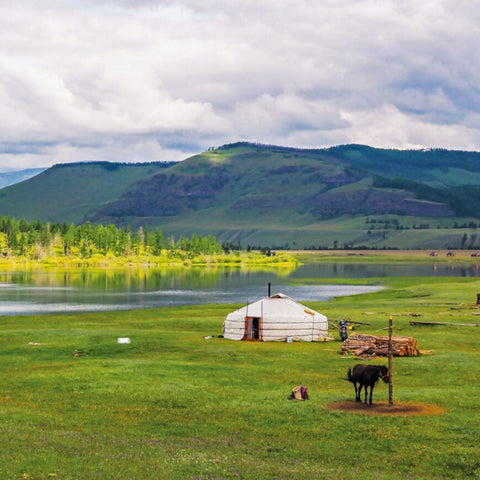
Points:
[[264, 194]]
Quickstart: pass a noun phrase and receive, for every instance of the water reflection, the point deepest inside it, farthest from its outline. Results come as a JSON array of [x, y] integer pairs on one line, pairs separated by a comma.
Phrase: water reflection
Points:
[[380, 270], [44, 291]]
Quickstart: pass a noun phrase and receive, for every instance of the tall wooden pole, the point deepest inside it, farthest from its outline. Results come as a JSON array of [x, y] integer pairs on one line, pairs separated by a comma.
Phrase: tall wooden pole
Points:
[[390, 362]]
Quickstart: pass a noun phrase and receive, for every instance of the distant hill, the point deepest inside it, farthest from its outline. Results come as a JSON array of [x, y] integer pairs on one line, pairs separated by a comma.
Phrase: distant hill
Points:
[[72, 192], [349, 195], [10, 178]]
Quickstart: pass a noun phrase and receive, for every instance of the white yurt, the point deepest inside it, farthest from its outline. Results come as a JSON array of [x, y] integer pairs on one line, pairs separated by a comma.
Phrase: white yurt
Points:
[[275, 319]]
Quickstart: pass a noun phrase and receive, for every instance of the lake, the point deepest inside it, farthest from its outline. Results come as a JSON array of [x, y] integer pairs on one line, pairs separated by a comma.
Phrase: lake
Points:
[[82, 290]]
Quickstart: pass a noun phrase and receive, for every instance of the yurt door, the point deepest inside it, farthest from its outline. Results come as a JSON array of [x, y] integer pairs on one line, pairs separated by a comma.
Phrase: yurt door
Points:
[[252, 328]]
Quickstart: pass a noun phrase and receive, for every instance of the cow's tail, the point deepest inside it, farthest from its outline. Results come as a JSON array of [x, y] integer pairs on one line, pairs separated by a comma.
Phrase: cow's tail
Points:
[[349, 375]]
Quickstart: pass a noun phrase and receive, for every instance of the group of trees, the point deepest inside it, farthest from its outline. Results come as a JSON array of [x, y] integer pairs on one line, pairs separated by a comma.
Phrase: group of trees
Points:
[[39, 240], [394, 224]]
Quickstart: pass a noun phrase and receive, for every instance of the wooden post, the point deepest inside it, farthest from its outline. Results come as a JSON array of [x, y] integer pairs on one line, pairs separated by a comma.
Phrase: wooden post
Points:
[[390, 362]]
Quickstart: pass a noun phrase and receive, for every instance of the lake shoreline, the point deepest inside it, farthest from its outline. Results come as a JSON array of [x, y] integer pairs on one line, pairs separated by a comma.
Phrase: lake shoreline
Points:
[[432, 256]]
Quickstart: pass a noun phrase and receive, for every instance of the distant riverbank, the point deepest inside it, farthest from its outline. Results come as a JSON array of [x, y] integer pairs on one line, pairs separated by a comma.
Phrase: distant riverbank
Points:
[[432, 256]]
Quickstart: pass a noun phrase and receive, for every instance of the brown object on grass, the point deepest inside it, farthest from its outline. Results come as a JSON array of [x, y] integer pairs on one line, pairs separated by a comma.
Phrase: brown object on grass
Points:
[[397, 409]]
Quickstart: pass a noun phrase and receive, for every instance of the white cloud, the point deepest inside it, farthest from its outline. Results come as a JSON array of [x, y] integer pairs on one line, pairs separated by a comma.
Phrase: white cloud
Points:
[[139, 78], [386, 126]]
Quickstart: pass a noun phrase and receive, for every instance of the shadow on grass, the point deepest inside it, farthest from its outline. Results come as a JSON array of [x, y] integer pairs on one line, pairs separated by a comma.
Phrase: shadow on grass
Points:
[[398, 409]]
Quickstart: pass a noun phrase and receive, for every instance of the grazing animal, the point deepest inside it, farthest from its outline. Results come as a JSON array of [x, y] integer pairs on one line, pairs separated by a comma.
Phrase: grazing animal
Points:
[[366, 376]]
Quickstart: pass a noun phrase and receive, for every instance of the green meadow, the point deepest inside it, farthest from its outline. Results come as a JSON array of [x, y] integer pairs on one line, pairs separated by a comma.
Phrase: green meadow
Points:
[[172, 404]]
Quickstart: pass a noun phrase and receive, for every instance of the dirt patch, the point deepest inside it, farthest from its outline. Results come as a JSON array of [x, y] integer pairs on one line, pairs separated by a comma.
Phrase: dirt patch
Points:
[[398, 409]]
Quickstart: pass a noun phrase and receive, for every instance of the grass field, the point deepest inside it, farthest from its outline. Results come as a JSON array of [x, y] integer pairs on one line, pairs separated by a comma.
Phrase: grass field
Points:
[[75, 404]]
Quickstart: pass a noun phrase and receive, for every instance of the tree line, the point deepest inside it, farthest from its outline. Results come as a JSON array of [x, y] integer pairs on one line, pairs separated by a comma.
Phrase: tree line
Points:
[[37, 240]]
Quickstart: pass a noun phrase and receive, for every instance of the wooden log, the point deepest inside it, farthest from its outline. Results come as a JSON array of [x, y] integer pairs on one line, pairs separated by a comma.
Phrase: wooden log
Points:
[[362, 344], [445, 324]]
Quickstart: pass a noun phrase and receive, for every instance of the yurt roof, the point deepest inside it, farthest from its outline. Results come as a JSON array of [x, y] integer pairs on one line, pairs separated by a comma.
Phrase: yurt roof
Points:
[[280, 302]]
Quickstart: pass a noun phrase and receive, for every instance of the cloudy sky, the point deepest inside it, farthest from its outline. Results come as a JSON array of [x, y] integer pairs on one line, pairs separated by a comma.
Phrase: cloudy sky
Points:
[[152, 80]]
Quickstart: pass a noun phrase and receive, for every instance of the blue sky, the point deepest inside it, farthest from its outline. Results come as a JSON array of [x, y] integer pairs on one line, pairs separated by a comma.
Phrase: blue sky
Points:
[[152, 80]]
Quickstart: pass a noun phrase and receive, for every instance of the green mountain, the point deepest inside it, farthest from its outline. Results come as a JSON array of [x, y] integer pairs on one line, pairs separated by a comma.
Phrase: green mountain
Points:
[[350, 195], [70, 193]]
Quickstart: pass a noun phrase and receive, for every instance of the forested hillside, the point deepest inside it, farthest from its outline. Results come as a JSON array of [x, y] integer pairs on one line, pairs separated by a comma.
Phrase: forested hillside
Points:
[[257, 195]]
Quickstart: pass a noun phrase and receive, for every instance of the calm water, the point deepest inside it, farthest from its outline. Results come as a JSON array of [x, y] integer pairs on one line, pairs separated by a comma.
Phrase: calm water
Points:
[[96, 290]]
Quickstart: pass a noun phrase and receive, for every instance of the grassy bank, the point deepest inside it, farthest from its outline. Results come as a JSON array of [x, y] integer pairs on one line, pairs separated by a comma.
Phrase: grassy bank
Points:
[[234, 259], [75, 404]]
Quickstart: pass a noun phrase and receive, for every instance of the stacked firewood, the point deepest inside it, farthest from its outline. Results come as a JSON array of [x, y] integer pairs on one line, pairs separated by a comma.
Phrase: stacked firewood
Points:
[[369, 345]]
